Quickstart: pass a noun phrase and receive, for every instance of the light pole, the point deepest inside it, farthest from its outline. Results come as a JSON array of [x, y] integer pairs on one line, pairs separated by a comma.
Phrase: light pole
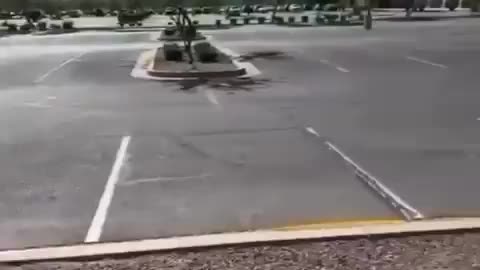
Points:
[[367, 22]]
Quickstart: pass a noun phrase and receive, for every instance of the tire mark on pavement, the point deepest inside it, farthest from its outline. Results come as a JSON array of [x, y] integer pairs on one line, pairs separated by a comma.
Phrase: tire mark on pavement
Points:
[[57, 68]]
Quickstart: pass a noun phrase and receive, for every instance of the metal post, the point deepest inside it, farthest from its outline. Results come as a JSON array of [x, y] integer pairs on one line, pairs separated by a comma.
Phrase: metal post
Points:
[[367, 23]]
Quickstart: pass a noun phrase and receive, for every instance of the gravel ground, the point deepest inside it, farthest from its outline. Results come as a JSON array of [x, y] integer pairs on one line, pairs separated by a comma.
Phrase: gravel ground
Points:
[[459, 251]]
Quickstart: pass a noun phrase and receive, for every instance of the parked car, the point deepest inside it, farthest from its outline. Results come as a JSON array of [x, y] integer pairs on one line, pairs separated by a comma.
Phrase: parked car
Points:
[[233, 11], [5, 15], [331, 7], [207, 10], [75, 13], [307, 7], [295, 8], [196, 10], [266, 9], [34, 15], [170, 11]]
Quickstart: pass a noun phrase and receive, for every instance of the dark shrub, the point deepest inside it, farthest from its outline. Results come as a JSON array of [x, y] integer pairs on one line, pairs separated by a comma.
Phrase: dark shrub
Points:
[[99, 12], [304, 19], [12, 28], [42, 26], [26, 27], [55, 26], [261, 20], [291, 19], [205, 52], [169, 31], [172, 52], [68, 25], [233, 21], [218, 23]]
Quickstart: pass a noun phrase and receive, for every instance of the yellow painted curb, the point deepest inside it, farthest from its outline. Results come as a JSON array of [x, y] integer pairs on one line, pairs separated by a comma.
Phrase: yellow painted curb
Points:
[[338, 224]]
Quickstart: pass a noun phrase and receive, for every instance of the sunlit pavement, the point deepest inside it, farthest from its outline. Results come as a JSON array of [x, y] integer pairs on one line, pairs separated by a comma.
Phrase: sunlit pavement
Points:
[[169, 159]]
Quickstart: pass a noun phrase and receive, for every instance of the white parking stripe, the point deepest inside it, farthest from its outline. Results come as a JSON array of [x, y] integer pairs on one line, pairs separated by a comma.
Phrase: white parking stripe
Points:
[[423, 61], [398, 203], [337, 67], [211, 97], [96, 227], [407, 210], [57, 68]]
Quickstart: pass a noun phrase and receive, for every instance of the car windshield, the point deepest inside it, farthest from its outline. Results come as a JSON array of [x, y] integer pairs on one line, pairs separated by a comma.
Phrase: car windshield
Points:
[[251, 121]]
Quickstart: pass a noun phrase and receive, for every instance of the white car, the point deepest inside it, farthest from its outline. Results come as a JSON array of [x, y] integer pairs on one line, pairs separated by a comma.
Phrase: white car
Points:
[[266, 9], [295, 8]]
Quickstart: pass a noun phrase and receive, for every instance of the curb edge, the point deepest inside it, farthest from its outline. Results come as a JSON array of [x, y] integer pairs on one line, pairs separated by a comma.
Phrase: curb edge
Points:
[[241, 238]]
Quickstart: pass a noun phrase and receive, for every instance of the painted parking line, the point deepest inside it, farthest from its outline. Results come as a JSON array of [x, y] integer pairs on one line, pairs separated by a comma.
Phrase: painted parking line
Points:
[[426, 62], [408, 211], [96, 227], [337, 67], [212, 97], [57, 68]]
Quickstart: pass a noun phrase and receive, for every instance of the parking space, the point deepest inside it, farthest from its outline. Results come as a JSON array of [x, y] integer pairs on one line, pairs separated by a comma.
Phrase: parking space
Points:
[[50, 188], [234, 182]]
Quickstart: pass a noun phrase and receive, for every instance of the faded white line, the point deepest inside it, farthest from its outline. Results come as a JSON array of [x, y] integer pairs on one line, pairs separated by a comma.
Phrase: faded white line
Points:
[[312, 131], [162, 179], [212, 97], [96, 227], [57, 68], [337, 67], [37, 105], [423, 61], [377, 185]]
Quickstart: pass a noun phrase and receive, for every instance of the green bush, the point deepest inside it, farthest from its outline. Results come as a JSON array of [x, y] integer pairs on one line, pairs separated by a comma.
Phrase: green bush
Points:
[[42, 26], [278, 20], [55, 26], [261, 20], [12, 28], [169, 31], [205, 52], [68, 25], [172, 52], [26, 27]]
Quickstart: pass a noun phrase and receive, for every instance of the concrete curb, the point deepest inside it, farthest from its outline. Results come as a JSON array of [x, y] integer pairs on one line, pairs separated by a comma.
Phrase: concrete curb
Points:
[[214, 240], [238, 72], [197, 74]]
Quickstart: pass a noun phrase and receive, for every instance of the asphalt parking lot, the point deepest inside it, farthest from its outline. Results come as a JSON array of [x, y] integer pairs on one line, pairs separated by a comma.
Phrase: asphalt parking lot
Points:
[[89, 153]]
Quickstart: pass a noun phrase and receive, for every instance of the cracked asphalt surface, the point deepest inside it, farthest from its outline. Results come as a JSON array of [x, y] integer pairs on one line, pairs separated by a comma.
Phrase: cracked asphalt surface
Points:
[[399, 100]]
